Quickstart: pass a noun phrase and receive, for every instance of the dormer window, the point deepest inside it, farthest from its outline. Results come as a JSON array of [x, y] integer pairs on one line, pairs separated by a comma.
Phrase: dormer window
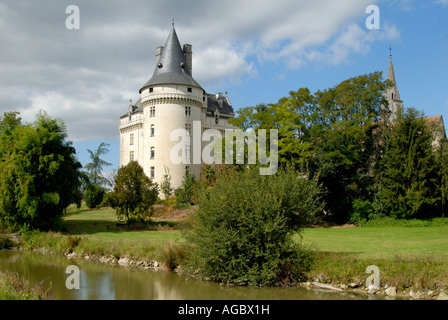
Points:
[[151, 90], [189, 89]]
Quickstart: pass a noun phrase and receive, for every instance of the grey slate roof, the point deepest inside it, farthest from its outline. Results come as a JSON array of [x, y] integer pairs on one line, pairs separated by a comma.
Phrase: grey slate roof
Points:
[[172, 67], [221, 105]]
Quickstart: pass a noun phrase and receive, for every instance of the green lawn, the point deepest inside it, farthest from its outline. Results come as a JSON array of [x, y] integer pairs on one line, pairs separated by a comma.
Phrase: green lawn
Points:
[[102, 225], [362, 241], [368, 241]]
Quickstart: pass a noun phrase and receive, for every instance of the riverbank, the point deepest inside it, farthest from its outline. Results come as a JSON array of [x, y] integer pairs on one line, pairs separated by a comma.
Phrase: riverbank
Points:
[[400, 277], [16, 287], [412, 258]]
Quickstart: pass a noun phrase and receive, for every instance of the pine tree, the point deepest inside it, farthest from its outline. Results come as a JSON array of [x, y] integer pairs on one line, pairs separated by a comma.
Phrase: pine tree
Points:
[[409, 176]]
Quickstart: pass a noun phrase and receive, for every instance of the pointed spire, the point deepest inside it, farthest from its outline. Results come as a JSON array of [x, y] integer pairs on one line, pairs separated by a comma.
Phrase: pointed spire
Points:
[[390, 72], [172, 66]]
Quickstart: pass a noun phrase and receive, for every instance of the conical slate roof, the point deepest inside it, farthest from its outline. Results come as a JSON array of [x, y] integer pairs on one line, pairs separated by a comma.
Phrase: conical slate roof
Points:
[[391, 73], [172, 67]]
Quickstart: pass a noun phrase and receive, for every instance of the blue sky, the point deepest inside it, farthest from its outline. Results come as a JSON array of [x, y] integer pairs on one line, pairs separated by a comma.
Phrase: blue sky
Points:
[[258, 51]]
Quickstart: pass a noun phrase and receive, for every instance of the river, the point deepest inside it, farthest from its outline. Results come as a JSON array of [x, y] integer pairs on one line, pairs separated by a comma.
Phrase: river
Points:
[[112, 282]]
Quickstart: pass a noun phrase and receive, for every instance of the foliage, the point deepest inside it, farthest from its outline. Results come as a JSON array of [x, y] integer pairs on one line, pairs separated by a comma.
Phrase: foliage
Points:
[[95, 167], [184, 194], [135, 193], [16, 287], [39, 174], [165, 185], [328, 134], [243, 230], [94, 196], [409, 177]]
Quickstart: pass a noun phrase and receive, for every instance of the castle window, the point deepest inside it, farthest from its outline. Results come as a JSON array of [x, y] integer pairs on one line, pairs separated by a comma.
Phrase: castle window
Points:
[[188, 129], [151, 89], [187, 111], [131, 156], [188, 152], [131, 140], [152, 173], [392, 95], [152, 130], [152, 111], [189, 89], [216, 119], [153, 153]]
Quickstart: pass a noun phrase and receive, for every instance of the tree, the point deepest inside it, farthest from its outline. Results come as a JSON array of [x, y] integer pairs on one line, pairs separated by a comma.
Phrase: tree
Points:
[[184, 194], [95, 167], [165, 185], [94, 196], [134, 193], [39, 174], [328, 135], [243, 231], [409, 175]]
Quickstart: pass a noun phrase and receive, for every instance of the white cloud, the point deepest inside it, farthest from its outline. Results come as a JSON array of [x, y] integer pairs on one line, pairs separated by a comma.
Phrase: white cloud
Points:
[[87, 76]]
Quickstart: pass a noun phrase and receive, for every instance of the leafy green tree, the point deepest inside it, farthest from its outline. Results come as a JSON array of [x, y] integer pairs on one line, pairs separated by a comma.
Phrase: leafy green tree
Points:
[[409, 174], [95, 167], [329, 135], [442, 161], [94, 196], [39, 174], [135, 193], [165, 185], [184, 194], [243, 231]]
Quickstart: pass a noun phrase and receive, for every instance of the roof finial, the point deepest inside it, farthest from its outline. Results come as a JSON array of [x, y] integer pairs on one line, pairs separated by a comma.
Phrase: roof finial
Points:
[[172, 23], [390, 50]]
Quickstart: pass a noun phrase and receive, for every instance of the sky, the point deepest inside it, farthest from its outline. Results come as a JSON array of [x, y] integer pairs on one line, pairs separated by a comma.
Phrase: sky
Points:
[[256, 50]]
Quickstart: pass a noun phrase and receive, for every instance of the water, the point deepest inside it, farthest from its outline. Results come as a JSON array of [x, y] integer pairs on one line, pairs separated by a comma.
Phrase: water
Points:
[[113, 282]]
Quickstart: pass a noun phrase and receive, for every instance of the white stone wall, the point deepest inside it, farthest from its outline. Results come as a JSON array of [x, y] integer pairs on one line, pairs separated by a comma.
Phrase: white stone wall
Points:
[[169, 102]]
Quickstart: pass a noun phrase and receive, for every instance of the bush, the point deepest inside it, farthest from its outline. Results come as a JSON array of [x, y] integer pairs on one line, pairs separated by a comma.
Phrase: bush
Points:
[[243, 230], [135, 193], [184, 194], [362, 211], [94, 196]]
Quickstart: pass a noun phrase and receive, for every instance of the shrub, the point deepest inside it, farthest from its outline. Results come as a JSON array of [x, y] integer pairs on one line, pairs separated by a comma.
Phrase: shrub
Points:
[[362, 211], [94, 196], [243, 230], [135, 193], [184, 194]]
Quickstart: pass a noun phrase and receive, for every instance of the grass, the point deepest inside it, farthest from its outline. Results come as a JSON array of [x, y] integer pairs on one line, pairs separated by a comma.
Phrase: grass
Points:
[[102, 224], [386, 241], [409, 254], [16, 287]]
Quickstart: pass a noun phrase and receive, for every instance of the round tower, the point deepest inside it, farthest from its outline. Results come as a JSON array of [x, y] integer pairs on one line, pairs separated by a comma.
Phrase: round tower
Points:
[[171, 100]]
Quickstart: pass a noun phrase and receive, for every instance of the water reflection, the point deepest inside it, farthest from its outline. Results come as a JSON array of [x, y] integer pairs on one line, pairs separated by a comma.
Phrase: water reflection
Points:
[[105, 282]]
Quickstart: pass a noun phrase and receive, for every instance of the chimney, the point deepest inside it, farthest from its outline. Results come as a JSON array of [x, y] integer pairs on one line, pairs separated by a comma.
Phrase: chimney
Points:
[[188, 54], [159, 51]]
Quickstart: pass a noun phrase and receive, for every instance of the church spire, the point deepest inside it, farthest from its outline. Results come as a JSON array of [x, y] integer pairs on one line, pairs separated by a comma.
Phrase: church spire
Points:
[[392, 93], [391, 73]]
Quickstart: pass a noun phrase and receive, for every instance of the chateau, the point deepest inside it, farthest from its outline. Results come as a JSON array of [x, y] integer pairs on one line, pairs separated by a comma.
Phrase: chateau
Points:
[[170, 100]]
